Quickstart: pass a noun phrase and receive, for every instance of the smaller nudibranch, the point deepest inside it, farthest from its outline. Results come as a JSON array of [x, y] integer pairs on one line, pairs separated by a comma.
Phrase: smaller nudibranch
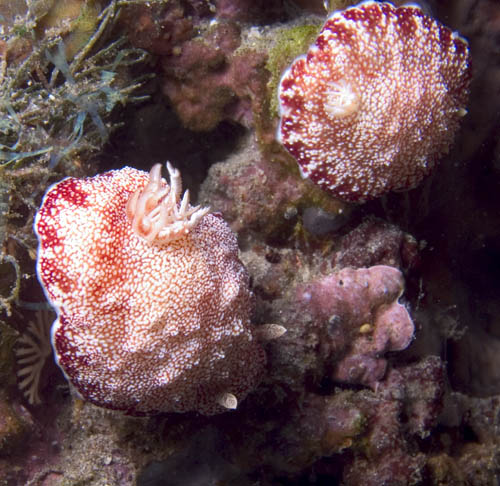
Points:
[[376, 101], [153, 302]]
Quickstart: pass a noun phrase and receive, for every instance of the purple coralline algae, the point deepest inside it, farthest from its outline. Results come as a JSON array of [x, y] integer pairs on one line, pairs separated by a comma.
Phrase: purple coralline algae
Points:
[[364, 437], [358, 318], [376, 242], [208, 81], [206, 77]]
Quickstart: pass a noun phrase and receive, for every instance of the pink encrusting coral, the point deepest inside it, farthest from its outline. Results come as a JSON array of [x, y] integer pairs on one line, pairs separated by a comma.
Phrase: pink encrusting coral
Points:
[[359, 319], [153, 303], [376, 101]]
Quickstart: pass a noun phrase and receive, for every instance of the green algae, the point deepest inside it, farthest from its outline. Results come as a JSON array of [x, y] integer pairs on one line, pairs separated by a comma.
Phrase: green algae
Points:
[[53, 105]]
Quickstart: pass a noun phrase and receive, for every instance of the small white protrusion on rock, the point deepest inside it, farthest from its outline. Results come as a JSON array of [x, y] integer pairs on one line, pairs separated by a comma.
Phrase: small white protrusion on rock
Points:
[[228, 400], [268, 332]]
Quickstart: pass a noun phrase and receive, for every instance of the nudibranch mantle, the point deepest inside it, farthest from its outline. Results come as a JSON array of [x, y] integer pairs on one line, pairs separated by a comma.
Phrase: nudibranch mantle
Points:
[[376, 101], [153, 302]]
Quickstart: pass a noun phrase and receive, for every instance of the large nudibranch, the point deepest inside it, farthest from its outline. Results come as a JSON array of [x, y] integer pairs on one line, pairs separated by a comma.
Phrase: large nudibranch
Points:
[[376, 101], [153, 302]]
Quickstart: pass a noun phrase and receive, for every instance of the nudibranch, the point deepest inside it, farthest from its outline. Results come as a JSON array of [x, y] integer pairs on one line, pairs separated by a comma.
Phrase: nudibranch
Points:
[[376, 101], [153, 304]]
